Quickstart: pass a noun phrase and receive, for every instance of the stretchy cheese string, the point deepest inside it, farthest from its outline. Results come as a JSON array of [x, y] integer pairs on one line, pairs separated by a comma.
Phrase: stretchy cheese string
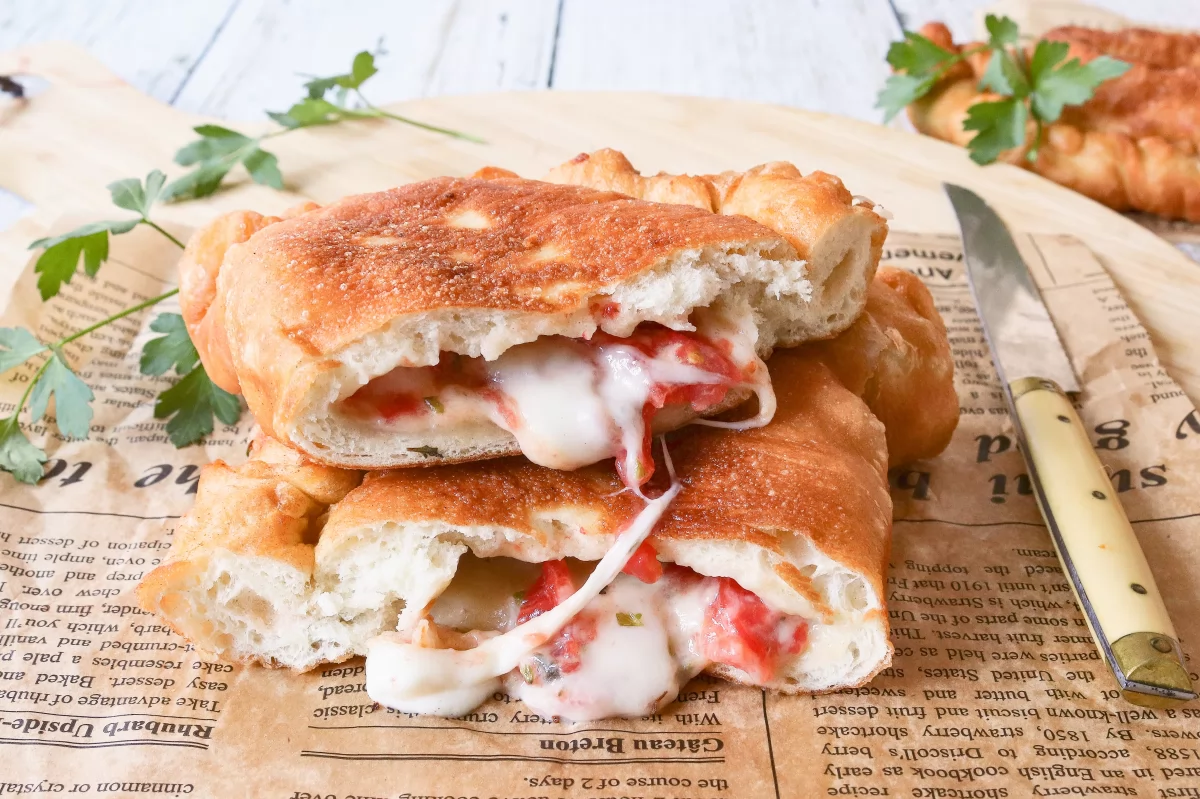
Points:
[[766, 403], [448, 682]]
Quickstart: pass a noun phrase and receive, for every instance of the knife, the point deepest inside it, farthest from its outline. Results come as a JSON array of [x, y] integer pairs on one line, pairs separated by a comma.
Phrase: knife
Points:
[[1095, 543]]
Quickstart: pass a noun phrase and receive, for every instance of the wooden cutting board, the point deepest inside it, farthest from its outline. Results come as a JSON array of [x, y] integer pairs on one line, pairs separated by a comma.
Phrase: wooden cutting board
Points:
[[87, 128]]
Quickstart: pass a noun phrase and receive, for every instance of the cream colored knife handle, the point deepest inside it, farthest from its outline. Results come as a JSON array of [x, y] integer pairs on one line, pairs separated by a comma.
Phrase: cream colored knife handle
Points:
[[1099, 552]]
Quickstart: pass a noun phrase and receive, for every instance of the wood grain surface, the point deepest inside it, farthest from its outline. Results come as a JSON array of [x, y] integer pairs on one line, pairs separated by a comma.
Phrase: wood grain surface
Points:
[[89, 128]]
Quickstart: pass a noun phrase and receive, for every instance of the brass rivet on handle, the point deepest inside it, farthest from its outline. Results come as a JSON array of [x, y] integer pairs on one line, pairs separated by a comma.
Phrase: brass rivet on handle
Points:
[[1098, 494], [1161, 644], [1137, 588]]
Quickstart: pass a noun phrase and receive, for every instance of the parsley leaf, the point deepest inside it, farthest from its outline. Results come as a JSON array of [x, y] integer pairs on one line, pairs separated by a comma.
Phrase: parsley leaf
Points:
[[190, 405], [132, 195], [1000, 126], [200, 182], [263, 168], [1003, 76], [1070, 84], [1002, 31], [362, 69], [174, 350], [17, 455], [19, 345], [60, 257], [214, 154], [917, 54], [1033, 86], [629, 619], [900, 91], [317, 111], [72, 397], [214, 142]]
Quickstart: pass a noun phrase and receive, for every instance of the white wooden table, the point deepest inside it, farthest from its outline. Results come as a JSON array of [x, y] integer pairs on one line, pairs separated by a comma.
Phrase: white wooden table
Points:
[[237, 58]]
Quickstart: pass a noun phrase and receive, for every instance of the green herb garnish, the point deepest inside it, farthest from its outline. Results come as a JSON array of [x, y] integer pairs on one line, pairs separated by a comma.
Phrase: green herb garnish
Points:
[[427, 451], [328, 101], [1036, 86]]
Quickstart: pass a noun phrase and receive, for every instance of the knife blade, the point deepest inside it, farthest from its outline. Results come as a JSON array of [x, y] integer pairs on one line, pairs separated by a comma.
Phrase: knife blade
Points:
[[1096, 545]]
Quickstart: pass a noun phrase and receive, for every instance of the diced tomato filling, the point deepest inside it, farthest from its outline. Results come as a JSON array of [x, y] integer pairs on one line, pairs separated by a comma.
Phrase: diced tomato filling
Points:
[[553, 586], [421, 391], [382, 397], [691, 349], [644, 564], [739, 629]]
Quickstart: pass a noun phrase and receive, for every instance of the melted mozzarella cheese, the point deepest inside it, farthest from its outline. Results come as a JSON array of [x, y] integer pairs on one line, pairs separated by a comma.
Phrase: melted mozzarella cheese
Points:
[[448, 682], [575, 406], [570, 403], [737, 326], [561, 420], [629, 669]]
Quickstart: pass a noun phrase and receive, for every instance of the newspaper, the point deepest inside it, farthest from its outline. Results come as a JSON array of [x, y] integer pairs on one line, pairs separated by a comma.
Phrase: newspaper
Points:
[[996, 689]]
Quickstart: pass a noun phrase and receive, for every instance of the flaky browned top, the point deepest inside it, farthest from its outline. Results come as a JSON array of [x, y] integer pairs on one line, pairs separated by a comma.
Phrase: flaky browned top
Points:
[[802, 208], [818, 470], [1152, 48], [199, 268], [333, 275]]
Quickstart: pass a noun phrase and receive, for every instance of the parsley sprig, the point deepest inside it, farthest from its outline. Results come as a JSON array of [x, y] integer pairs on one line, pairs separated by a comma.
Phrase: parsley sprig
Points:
[[327, 101], [60, 256], [1033, 86], [189, 406], [193, 403]]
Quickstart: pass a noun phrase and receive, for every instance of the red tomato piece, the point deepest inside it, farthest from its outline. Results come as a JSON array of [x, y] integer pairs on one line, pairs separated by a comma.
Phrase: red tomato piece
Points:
[[651, 339], [552, 586], [644, 564], [569, 643], [741, 631], [799, 638], [399, 405]]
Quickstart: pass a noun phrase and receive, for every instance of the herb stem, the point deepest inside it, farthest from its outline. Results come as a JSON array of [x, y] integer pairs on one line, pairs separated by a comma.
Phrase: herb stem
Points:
[[174, 240], [29, 388], [1032, 154], [958, 58], [416, 123], [120, 315]]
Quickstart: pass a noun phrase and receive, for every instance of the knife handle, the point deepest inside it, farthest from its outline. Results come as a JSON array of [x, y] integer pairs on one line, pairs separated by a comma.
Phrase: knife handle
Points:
[[1099, 551]]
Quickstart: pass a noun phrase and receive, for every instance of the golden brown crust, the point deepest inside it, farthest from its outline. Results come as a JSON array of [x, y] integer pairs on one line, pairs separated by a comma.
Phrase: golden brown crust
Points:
[[199, 267], [823, 462], [802, 208], [1158, 97], [504, 244], [897, 358], [1145, 46], [352, 268], [268, 506], [1133, 146]]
